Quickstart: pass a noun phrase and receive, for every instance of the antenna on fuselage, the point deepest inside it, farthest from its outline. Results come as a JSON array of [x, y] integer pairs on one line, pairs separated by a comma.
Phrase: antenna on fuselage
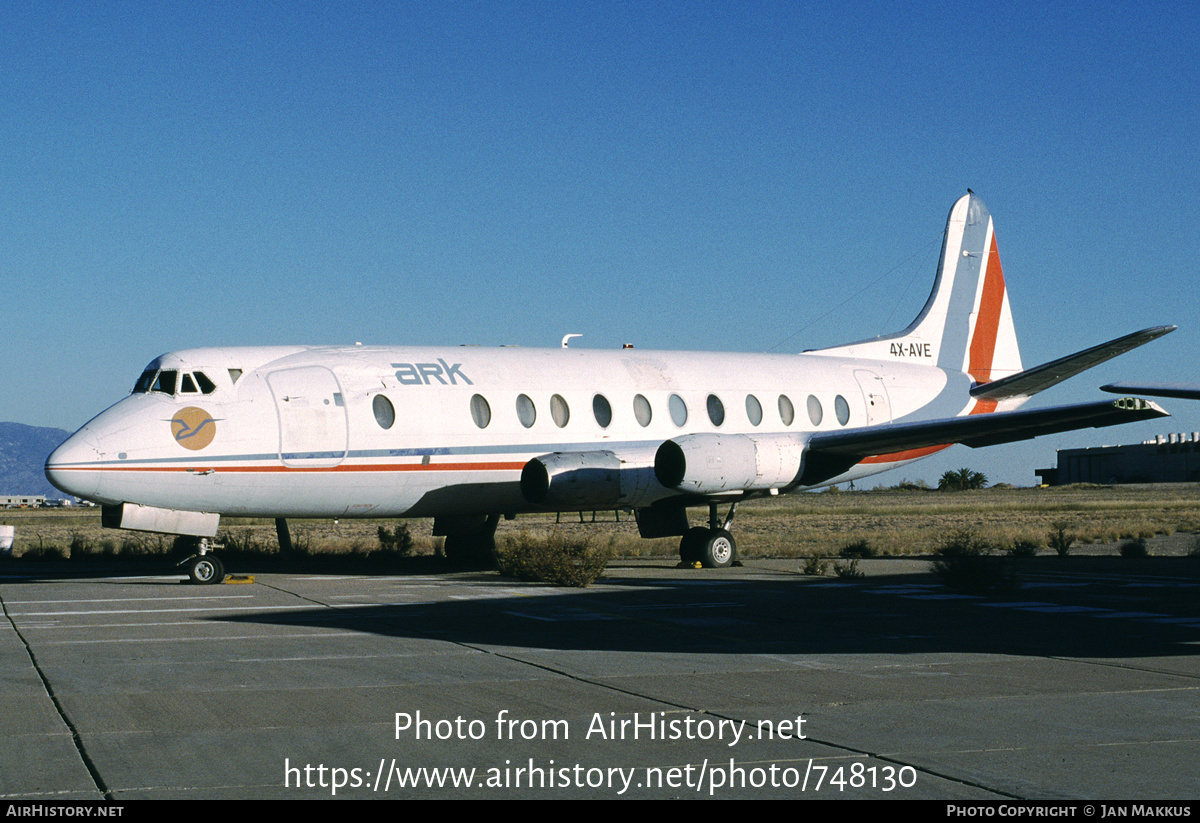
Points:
[[567, 338]]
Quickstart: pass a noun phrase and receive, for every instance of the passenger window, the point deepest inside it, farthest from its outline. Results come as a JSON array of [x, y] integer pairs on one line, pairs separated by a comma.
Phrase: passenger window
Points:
[[481, 412], [559, 411], [602, 410], [678, 410], [716, 410], [526, 413], [641, 410], [753, 410], [842, 409], [787, 412], [385, 412], [815, 412], [165, 382]]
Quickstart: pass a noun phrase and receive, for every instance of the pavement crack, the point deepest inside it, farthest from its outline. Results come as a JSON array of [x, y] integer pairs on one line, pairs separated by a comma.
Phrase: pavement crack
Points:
[[686, 707], [76, 738]]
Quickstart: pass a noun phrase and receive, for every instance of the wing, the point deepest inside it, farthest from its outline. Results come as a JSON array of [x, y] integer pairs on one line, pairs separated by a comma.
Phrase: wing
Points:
[[829, 453], [708, 463], [1039, 378], [1187, 391]]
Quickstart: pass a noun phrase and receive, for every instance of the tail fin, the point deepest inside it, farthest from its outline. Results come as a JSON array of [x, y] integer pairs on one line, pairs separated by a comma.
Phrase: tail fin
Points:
[[966, 324]]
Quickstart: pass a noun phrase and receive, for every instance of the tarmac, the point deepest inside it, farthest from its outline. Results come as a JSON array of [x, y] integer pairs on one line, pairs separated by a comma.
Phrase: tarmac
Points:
[[655, 682]]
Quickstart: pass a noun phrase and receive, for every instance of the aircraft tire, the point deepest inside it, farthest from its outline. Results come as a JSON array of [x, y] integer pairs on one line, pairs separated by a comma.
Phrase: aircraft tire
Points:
[[471, 551], [206, 569], [454, 549], [691, 545], [718, 550]]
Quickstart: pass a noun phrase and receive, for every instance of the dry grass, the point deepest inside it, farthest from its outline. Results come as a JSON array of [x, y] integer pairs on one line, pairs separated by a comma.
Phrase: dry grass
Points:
[[892, 522], [553, 559]]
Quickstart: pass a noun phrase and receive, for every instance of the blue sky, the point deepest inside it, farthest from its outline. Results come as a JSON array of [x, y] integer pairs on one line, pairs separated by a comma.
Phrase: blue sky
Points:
[[747, 176]]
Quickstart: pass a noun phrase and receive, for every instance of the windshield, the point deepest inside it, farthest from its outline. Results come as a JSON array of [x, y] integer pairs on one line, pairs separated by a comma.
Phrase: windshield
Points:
[[170, 381]]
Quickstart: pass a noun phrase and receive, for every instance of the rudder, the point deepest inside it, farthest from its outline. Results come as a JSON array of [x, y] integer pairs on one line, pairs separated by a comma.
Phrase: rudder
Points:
[[966, 324]]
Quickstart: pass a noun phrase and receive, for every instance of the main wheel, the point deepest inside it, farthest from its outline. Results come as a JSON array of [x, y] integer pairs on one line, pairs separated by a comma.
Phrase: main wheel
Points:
[[691, 545], [471, 551], [206, 569], [718, 550]]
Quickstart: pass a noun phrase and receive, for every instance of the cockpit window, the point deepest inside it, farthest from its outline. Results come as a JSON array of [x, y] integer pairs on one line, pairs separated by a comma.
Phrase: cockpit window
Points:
[[165, 382], [169, 381], [143, 383]]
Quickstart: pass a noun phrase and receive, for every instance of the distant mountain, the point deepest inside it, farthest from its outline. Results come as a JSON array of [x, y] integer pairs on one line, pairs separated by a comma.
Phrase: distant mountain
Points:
[[23, 452]]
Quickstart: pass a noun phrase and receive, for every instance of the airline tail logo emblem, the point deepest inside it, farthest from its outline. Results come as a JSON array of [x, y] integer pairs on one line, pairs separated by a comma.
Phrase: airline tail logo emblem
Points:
[[193, 428]]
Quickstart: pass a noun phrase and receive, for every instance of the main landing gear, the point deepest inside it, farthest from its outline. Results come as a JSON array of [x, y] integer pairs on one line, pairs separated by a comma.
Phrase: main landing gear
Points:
[[712, 546], [470, 541], [204, 568]]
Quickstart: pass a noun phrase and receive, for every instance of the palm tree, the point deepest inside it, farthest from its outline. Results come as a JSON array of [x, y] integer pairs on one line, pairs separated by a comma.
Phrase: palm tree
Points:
[[962, 480]]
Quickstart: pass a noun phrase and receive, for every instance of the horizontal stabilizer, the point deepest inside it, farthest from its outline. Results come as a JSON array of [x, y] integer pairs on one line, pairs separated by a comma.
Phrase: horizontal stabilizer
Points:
[[982, 429], [1031, 381], [1187, 391]]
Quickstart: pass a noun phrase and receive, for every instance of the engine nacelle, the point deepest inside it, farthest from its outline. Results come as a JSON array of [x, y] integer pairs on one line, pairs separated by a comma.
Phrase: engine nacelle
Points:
[[716, 463], [569, 481]]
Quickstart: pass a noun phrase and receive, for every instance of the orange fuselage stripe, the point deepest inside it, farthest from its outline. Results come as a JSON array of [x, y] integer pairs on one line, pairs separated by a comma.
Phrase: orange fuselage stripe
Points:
[[374, 467]]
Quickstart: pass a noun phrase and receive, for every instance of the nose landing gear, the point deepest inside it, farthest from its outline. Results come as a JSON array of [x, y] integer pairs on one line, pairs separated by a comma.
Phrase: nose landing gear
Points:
[[204, 568]]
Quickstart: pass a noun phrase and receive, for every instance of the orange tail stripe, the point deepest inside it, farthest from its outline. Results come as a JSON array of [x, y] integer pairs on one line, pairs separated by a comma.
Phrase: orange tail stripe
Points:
[[987, 324]]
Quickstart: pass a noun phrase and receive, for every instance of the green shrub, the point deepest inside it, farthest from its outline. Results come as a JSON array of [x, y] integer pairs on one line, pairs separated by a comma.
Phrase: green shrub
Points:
[[859, 548], [81, 547], [1060, 539], [1024, 548], [1134, 548], [397, 542], [967, 563], [847, 569], [814, 565], [43, 552], [552, 559]]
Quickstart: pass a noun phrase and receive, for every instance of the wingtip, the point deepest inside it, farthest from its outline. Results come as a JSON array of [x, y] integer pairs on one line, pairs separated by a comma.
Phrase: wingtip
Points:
[[1182, 391], [1140, 404]]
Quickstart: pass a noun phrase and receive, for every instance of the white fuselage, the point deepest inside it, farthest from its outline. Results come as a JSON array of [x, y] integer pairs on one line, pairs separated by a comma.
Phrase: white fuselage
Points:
[[376, 431]]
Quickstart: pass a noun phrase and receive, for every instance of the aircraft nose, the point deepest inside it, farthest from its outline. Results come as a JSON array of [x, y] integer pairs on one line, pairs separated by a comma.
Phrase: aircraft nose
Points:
[[72, 466]]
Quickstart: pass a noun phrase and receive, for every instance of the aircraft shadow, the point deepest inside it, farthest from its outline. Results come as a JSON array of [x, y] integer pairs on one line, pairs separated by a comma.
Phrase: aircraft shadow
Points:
[[888, 614]]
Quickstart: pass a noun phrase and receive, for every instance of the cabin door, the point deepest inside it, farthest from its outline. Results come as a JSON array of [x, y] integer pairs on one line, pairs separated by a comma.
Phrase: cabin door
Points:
[[879, 410], [312, 416]]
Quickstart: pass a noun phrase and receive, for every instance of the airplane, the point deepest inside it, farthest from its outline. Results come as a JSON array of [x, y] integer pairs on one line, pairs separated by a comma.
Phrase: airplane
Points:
[[467, 435]]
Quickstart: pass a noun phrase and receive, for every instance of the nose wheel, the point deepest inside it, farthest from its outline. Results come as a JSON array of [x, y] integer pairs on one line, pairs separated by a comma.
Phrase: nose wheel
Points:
[[205, 568]]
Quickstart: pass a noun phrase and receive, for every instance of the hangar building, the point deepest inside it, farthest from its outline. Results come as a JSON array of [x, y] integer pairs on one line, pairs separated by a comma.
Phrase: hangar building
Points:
[[1168, 458]]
